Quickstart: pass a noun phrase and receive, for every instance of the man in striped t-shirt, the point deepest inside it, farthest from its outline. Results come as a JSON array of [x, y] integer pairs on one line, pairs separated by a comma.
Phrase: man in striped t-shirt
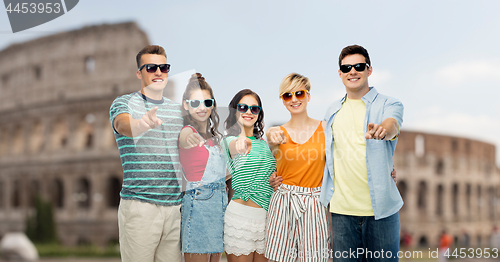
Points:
[[146, 127]]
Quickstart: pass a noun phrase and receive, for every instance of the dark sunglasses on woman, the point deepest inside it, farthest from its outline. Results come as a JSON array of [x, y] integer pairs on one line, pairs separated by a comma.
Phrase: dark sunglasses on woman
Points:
[[243, 108], [208, 103]]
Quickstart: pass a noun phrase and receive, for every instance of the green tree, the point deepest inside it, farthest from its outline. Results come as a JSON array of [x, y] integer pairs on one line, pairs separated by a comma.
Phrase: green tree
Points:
[[40, 227]]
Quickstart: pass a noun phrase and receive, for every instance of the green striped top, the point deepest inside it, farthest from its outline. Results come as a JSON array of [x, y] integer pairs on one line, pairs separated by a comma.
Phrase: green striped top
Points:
[[250, 174], [150, 161]]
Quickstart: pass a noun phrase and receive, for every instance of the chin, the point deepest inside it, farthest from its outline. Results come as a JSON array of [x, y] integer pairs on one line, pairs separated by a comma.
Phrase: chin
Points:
[[156, 86]]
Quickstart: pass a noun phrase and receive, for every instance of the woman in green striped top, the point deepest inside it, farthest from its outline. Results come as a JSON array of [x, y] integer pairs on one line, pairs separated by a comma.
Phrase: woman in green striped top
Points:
[[250, 163]]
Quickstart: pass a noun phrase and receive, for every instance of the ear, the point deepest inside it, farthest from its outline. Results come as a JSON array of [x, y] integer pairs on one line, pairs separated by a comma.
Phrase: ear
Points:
[[185, 105], [340, 73], [308, 96], [370, 70], [138, 74]]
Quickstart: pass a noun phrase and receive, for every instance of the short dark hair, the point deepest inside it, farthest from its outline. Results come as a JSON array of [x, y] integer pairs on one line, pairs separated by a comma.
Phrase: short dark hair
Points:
[[150, 49], [232, 127], [352, 50]]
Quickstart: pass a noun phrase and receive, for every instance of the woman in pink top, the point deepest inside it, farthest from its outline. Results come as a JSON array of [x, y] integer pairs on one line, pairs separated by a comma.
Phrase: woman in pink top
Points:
[[205, 198]]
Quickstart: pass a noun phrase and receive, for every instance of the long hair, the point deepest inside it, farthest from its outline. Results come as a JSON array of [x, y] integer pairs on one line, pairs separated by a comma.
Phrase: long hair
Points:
[[197, 82], [232, 126]]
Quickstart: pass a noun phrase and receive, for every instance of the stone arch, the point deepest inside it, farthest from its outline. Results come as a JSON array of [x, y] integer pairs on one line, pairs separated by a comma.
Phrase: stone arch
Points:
[[419, 145], [4, 142], [491, 203], [114, 188], [422, 241], [18, 140], [85, 136], [2, 194], [422, 196], [16, 193], [37, 141], [479, 200], [439, 200], [454, 197], [403, 188], [33, 192], [82, 195], [57, 193], [440, 167], [468, 196], [60, 134]]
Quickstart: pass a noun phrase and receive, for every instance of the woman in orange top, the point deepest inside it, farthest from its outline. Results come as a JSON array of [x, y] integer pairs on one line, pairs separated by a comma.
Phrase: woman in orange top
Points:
[[297, 223]]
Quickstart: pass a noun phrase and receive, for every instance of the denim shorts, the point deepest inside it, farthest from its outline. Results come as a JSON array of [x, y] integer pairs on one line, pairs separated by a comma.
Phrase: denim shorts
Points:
[[202, 219]]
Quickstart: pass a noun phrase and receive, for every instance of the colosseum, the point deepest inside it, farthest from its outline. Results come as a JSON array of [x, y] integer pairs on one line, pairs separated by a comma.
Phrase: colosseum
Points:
[[56, 141], [447, 183]]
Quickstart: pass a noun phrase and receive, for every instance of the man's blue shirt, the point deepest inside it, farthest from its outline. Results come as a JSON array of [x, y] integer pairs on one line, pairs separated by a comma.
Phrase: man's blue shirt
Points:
[[384, 194]]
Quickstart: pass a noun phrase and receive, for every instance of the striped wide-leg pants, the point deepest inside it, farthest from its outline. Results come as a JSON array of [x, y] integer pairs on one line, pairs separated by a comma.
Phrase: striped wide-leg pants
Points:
[[297, 225]]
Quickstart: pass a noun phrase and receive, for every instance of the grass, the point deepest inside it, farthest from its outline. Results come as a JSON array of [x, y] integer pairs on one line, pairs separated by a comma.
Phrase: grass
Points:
[[56, 250]]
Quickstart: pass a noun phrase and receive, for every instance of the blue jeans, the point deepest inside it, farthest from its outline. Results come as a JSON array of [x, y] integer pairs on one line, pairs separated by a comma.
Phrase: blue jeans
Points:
[[362, 238]]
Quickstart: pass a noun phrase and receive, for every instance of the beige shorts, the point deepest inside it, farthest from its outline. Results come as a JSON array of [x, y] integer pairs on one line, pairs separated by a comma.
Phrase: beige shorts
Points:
[[149, 232]]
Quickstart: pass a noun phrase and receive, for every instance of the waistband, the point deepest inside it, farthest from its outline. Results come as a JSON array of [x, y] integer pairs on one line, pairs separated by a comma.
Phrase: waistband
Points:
[[221, 184], [254, 213], [297, 196]]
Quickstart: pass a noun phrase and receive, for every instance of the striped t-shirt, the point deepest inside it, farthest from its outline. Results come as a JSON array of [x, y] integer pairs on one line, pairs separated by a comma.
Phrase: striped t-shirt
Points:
[[150, 161], [250, 174]]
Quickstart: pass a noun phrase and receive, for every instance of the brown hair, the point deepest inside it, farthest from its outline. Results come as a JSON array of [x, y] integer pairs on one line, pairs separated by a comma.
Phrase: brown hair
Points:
[[150, 49], [352, 50], [197, 82], [232, 127]]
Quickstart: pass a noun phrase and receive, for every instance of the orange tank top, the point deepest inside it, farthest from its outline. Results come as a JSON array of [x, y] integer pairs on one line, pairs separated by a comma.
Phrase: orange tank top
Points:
[[302, 164]]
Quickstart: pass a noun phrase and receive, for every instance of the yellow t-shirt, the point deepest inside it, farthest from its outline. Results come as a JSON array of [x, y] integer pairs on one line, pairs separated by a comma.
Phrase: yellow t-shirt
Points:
[[351, 195]]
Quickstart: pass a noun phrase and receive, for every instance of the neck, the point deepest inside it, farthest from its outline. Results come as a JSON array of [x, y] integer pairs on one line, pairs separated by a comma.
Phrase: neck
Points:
[[202, 126], [247, 131], [300, 119], [156, 95], [357, 94]]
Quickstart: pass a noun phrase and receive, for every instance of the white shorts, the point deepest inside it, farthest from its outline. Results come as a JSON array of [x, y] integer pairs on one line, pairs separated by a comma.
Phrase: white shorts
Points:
[[244, 229]]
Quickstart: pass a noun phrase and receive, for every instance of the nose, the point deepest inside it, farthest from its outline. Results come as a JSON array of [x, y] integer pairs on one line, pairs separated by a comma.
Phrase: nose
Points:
[[294, 98]]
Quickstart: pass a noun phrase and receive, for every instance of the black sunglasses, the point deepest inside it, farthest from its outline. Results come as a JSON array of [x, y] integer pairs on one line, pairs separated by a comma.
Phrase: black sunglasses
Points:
[[151, 68], [360, 67], [243, 108], [208, 103]]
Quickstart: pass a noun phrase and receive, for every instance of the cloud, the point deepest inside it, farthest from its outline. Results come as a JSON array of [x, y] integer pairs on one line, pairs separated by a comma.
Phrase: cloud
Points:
[[465, 73], [478, 127], [380, 77]]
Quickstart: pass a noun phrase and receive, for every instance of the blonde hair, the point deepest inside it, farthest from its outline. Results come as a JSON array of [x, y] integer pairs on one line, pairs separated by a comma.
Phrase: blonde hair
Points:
[[292, 81]]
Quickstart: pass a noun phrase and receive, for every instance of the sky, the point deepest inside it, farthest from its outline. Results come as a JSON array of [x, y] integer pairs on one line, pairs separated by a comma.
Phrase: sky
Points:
[[440, 58]]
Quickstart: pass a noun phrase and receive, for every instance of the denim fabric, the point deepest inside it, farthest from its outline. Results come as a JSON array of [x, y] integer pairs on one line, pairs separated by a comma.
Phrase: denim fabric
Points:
[[362, 238], [202, 218], [215, 169], [384, 194]]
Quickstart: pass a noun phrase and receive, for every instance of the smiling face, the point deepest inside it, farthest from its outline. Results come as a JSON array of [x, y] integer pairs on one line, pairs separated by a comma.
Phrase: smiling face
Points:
[[356, 83], [156, 81], [296, 106], [200, 114], [247, 119]]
